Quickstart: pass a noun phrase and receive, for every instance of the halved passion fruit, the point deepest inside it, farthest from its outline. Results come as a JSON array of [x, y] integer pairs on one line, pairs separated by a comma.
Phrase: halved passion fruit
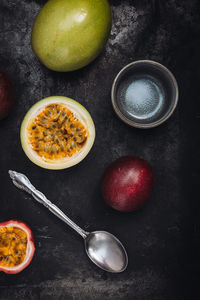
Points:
[[16, 246], [57, 133]]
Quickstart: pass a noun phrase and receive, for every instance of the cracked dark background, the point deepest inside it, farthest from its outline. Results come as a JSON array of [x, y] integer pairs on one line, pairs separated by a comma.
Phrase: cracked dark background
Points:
[[162, 239]]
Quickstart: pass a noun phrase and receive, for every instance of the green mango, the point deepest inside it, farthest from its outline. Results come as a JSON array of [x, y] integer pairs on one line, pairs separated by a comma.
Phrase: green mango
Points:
[[69, 34]]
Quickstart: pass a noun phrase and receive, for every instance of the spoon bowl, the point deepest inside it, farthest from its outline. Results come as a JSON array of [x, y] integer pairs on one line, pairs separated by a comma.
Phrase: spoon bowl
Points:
[[106, 251]]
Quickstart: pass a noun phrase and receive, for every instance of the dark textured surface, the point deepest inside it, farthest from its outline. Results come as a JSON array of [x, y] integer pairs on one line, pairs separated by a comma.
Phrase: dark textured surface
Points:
[[163, 239]]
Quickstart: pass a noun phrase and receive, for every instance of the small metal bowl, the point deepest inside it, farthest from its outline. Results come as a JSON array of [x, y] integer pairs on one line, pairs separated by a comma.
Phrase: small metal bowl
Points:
[[144, 94]]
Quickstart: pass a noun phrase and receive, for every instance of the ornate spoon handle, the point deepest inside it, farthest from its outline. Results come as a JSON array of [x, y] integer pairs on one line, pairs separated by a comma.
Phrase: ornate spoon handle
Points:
[[23, 183]]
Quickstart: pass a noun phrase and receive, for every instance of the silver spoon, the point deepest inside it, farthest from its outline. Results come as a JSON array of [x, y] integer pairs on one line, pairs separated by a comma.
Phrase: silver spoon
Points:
[[103, 248]]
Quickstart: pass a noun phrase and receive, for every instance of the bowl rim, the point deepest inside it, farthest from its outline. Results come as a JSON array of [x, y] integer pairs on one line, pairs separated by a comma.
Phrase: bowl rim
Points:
[[118, 111]]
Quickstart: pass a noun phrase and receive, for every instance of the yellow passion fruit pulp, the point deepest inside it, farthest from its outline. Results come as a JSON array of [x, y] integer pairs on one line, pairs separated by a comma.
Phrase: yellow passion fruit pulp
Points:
[[13, 244], [58, 134]]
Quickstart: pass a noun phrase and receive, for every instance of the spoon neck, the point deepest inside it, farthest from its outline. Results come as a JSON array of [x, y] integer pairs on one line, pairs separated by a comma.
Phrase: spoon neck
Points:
[[69, 222], [74, 226], [84, 234]]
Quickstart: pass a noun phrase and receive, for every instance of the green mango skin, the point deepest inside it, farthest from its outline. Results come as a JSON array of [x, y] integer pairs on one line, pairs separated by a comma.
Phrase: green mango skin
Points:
[[68, 34]]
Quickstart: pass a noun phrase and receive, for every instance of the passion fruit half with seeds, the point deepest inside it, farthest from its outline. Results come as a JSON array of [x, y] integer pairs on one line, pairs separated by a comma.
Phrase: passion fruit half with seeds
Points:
[[16, 246], [57, 133]]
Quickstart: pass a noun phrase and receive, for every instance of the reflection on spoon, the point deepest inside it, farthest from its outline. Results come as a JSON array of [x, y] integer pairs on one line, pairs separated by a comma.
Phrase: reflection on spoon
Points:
[[106, 251]]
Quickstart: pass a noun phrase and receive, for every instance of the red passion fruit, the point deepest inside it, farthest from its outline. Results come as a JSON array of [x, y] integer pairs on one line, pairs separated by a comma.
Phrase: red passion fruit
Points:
[[127, 183], [6, 95], [16, 246]]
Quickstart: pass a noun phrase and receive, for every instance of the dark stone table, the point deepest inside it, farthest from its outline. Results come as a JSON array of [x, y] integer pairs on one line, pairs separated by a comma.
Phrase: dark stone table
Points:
[[162, 239]]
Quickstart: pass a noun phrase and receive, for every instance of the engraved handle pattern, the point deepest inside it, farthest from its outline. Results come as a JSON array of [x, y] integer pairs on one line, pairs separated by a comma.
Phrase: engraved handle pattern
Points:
[[23, 183]]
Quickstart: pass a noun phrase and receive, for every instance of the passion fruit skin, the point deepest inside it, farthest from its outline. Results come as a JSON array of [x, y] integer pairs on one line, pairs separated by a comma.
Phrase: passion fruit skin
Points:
[[127, 183], [30, 246], [68, 35], [6, 95], [40, 105]]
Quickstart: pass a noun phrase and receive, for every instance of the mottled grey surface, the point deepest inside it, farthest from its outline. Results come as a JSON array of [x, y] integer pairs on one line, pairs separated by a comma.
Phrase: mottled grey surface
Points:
[[162, 239]]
